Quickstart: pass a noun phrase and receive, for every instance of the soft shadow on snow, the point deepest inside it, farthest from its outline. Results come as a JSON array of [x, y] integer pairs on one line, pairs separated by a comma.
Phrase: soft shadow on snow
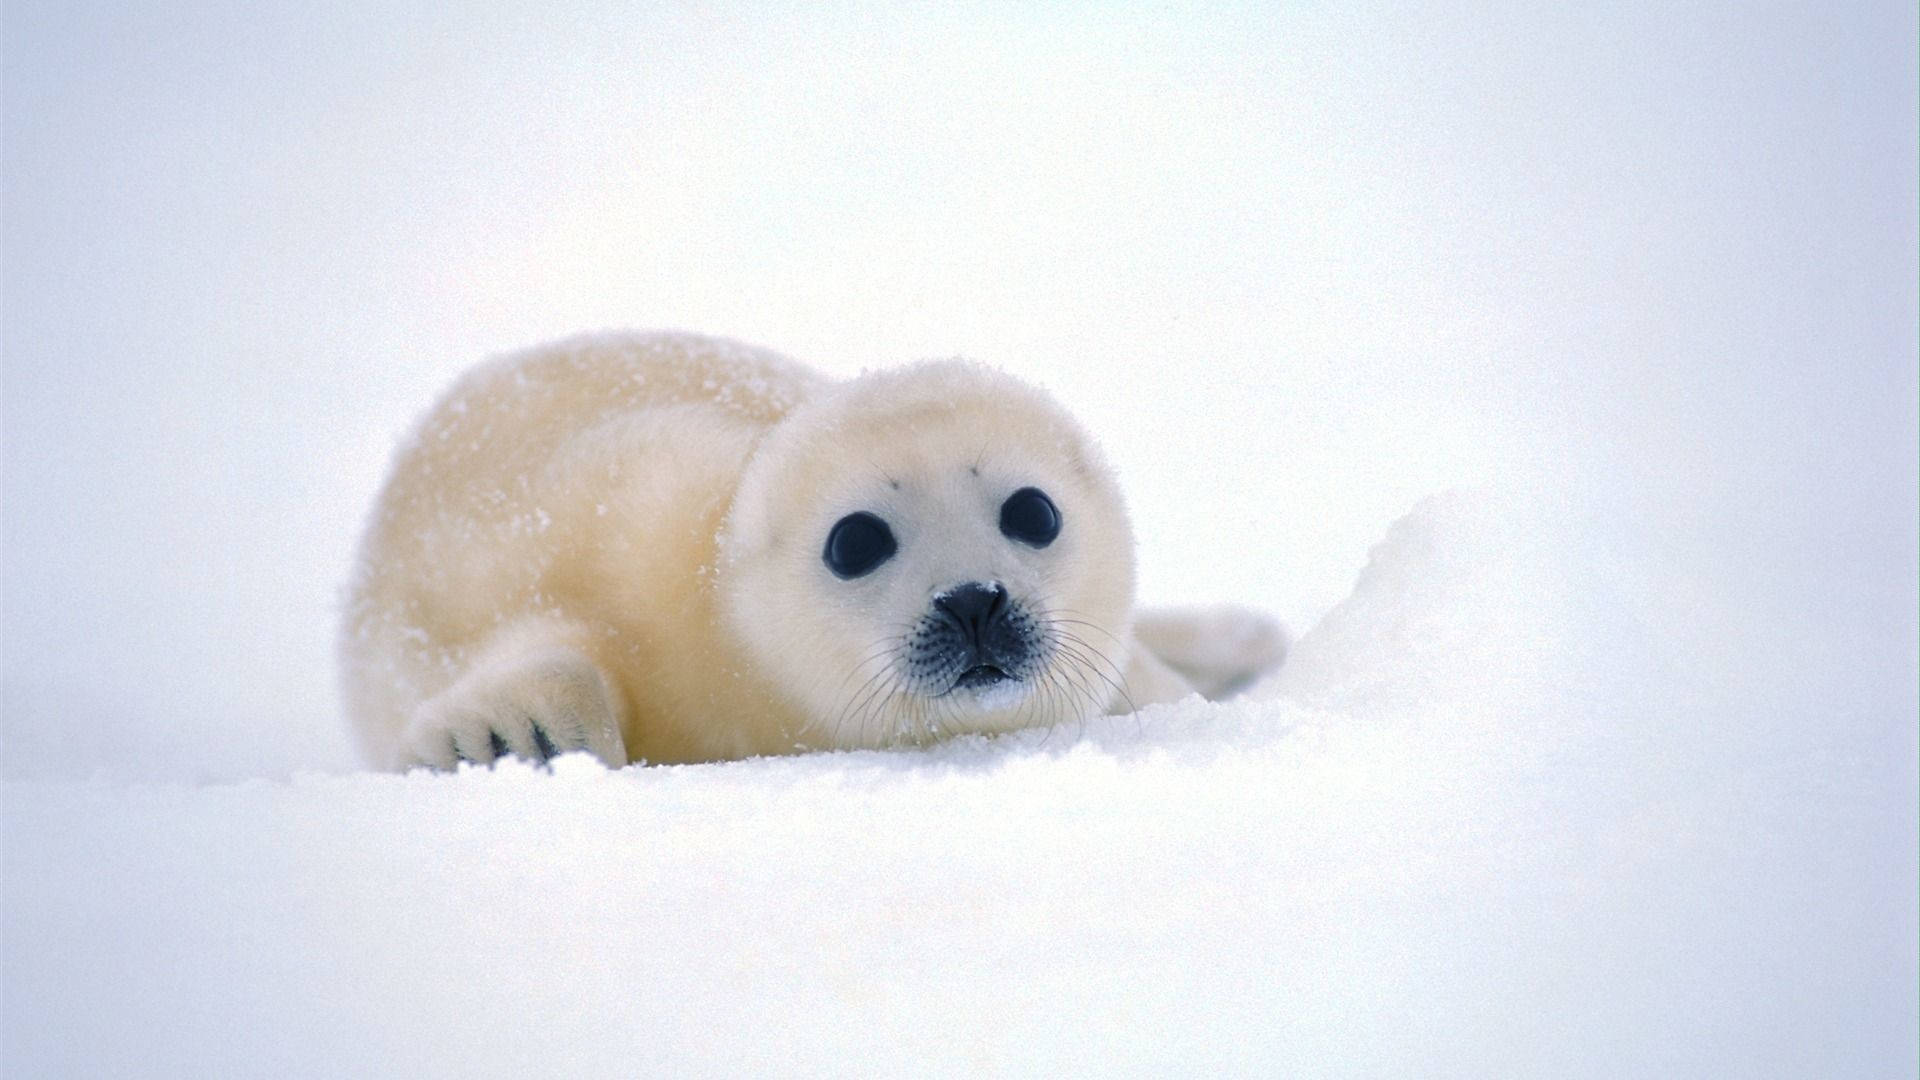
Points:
[[1487, 820]]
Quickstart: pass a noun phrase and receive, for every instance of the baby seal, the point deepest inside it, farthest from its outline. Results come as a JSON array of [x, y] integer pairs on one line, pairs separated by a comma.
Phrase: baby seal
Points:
[[669, 548]]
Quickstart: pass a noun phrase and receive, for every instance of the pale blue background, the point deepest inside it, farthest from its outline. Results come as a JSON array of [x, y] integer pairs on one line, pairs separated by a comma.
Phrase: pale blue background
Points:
[[1299, 265]]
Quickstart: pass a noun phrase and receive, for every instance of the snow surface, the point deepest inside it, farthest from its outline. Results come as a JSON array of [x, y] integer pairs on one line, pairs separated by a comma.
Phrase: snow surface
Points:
[[1474, 828], [1609, 772]]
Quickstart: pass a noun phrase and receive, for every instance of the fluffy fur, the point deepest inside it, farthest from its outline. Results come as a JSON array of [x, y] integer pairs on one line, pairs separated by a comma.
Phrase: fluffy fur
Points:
[[614, 544]]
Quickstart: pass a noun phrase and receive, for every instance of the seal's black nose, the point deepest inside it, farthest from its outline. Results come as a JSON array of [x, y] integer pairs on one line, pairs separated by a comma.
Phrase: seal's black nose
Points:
[[974, 607]]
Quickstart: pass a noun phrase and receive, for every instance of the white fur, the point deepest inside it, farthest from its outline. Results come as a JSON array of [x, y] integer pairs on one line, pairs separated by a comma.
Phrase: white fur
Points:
[[618, 539]]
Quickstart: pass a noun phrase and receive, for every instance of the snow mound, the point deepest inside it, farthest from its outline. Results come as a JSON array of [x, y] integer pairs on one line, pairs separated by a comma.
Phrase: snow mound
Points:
[[1481, 823]]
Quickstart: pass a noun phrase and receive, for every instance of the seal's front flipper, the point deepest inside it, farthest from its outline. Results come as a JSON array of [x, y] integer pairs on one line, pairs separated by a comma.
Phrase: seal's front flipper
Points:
[[532, 700], [1220, 650]]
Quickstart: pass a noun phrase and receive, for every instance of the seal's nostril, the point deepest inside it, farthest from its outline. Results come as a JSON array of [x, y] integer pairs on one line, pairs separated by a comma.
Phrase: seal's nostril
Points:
[[974, 606]]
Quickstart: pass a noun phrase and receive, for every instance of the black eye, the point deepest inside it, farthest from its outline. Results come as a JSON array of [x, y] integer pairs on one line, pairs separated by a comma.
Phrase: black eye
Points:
[[858, 543], [1030, 517]]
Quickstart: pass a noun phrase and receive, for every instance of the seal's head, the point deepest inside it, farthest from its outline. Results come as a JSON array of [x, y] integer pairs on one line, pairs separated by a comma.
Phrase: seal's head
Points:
[[926, 551]]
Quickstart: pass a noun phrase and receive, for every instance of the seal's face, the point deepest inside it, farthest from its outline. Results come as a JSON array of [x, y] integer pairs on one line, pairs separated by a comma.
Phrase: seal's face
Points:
[[975, 636], [926, 552]]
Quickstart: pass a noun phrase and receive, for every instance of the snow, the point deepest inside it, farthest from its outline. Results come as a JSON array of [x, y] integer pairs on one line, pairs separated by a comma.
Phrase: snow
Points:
[[1603, 767], [1437, 844]]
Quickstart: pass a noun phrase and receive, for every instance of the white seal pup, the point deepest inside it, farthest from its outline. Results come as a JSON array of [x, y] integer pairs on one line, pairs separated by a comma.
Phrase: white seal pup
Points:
[[669, 548]]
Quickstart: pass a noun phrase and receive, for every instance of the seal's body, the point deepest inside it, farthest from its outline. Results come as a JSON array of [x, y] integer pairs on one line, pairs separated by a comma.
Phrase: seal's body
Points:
[[672, 548]]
